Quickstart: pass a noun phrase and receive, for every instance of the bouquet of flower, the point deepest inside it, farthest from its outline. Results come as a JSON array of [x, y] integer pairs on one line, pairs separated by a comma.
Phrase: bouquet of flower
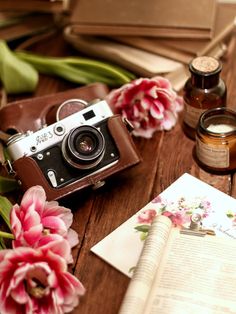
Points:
[[34, 276]]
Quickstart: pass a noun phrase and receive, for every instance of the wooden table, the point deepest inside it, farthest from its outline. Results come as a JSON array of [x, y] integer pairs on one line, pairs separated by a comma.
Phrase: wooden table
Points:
[[96, 213]]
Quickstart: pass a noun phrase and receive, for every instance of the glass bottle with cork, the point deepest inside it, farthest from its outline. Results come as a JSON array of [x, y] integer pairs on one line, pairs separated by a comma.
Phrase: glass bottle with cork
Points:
[[202, 91]]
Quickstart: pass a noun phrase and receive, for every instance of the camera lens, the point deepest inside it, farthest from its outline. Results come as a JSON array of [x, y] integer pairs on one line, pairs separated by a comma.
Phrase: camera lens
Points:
[[85, 144], [84, 147]]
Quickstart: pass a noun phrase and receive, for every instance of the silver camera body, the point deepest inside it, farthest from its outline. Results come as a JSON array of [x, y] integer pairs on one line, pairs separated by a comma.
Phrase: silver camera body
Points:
[[31, 143], [71, 148]]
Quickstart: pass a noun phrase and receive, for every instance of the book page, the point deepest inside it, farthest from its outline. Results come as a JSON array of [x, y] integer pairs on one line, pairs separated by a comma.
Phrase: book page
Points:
[[122, 247], [139, 60], [196, 275], [139, 287]]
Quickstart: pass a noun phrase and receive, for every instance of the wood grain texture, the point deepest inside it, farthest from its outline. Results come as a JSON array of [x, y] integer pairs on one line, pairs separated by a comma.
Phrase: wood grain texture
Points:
[[163, 163], [165, 157]]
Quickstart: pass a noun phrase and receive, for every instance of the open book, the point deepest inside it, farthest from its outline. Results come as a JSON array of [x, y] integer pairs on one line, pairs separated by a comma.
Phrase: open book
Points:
[[179, 273], [187, 195]]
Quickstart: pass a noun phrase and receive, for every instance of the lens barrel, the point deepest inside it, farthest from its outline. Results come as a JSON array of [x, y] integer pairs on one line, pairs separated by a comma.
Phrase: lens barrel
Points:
[[83, 147]]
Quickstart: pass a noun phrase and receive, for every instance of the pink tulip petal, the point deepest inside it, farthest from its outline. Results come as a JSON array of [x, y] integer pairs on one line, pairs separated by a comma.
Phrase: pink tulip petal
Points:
[[53, 209], [162, 82], [54, 223], [33, 235], [19, 294], [8, 307], [34, 195], [31, 219], [168, 121], [58, 245], [3, 253], [153, 92], [15, 221], [53, 280], [156, 111], [70, 285], [146, 103], [49, 238], [72, 238]]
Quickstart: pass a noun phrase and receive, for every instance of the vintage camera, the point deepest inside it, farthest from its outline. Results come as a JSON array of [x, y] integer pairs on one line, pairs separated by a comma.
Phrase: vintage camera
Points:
[[79, 150]]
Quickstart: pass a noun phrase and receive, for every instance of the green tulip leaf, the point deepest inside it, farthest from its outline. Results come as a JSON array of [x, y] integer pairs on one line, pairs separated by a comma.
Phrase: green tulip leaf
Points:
[[2, 244], [7, 185], [5, 209], [77, 69], [17, 76]]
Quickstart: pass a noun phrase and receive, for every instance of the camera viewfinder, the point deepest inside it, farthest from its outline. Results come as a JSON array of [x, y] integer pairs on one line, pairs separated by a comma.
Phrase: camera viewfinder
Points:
[[89, 115]]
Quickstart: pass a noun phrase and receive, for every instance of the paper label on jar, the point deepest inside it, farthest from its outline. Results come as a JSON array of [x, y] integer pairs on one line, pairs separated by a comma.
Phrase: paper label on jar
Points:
[[212, 156], [192, 115]]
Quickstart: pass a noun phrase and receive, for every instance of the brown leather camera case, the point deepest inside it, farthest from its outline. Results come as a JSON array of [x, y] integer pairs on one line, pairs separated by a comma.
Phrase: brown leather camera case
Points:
[[30, 174], [33, 114]]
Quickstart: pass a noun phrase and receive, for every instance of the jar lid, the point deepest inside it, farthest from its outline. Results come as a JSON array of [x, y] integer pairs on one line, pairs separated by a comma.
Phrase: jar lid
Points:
[[205, 66]]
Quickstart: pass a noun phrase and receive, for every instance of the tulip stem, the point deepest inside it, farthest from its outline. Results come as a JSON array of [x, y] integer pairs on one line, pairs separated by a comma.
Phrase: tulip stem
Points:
[[6, 235]]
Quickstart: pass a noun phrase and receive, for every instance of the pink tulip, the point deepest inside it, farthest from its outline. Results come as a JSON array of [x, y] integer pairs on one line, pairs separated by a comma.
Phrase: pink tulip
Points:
[[37, 281], [36, 218], [149, 104]]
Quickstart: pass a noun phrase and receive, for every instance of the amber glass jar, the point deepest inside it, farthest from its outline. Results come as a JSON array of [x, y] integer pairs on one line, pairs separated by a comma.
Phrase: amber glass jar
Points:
[[202, 91], [216, 140]]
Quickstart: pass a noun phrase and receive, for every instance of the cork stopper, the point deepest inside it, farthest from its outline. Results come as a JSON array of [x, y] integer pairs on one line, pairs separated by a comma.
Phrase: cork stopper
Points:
[[205, 65], [205, 71]]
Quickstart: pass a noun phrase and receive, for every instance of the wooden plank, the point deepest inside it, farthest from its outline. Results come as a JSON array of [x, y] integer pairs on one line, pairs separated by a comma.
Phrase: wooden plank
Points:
[[122, 196], [96, 213]]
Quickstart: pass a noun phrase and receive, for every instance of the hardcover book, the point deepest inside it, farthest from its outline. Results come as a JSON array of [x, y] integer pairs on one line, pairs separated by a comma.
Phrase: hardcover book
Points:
[[136, 60], [185, 49], [139, 61], [178, 18], [54, 6], [25, 25]]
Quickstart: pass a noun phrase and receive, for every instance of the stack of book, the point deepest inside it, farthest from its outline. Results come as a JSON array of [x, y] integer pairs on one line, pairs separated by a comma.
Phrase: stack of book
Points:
[[152, 37], [20, 20]]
